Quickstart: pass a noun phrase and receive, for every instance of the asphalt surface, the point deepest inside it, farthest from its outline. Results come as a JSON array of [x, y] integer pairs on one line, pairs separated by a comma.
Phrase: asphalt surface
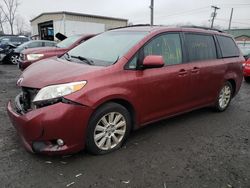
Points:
[[198, 149]]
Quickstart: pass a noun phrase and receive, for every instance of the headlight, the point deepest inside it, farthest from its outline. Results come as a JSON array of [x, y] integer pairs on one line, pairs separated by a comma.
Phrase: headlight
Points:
[[33, 57], [57, 91], [244, 64]]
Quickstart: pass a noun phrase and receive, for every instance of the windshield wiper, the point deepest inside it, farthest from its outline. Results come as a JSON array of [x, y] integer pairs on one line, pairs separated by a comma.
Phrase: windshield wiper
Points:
[[84, 59], [67, 56]]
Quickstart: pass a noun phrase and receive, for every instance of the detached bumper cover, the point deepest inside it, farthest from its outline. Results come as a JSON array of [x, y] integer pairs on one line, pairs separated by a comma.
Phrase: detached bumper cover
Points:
[[59, 121]]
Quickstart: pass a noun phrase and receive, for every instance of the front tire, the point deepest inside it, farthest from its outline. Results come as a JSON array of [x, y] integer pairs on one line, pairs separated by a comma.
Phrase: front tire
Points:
[[14, 59], [108, 129], [224, 98], [247, 79]]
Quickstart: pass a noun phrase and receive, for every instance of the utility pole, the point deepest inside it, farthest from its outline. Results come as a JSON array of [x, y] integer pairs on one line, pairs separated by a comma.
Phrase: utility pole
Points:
[[214, 15], [230, 21], [152, 12]]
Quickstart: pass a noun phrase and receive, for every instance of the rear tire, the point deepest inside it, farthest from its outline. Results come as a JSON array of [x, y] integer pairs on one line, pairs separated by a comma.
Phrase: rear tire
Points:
[[108, 129], [224, 97], [247, 79]]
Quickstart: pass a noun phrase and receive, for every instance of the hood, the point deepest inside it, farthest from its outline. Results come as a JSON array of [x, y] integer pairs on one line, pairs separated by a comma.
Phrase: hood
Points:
[[42, 50], [56, 71]]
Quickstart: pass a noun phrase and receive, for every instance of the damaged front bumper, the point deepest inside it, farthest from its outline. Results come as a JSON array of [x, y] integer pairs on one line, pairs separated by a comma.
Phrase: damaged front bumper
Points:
[[40, 128], [2, 56]]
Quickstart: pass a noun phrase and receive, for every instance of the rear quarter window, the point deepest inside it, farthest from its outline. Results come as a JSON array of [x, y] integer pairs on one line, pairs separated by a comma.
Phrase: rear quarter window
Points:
[[228, 47]]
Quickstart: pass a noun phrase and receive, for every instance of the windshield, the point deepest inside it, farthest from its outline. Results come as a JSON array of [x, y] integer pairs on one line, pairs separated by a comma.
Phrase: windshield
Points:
[[107, 48], [66, 43], [4, 40], [22, 46]]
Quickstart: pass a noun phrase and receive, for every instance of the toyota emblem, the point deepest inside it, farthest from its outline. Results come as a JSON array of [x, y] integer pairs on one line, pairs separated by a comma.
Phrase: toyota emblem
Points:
[[19, 81]]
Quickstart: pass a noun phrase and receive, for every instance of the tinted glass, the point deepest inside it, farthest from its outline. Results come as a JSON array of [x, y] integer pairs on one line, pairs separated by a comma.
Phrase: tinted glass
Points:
[[107, 48], [18, 39], [24, 39], [168, 46], [200, 47], [228, 47]]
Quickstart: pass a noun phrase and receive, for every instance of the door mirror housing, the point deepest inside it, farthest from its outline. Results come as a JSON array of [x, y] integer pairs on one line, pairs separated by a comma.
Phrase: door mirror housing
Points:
[[153, 61]]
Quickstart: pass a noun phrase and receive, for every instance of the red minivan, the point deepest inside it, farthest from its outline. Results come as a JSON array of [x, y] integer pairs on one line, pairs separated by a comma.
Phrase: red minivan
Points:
[[32, 55], [94, 95]]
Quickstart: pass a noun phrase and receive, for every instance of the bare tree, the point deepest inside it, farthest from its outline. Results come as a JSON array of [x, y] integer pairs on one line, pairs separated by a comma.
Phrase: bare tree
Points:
[[20, 24], [2, 21], [10, 12]]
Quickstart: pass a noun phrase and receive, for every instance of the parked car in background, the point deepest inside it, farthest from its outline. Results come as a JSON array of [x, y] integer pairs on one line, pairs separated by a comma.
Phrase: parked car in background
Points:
[[15, 40], [13, 54], [95, 94], [7, 43], [246, 70], [245, 49], [33, 55]]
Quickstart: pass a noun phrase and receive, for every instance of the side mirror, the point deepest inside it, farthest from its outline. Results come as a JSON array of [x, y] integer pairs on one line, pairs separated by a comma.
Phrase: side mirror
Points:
[[153, 61]]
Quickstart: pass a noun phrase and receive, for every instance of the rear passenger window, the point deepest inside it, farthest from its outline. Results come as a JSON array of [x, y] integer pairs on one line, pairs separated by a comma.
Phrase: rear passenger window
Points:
[[168, 46], [200, 47], [228, 47]]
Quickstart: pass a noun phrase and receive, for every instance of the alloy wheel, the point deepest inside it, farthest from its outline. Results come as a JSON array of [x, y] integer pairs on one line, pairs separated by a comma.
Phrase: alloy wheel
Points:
[[110, 130], [225, 96], [14, 59]]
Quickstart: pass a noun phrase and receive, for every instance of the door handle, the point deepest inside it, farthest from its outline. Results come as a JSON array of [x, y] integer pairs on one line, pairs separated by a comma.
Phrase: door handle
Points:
[[195, 70], [183, 72]]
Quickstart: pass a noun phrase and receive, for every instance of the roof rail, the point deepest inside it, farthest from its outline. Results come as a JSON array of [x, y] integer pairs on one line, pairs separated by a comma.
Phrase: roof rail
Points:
[[200, 27], [137, 25]]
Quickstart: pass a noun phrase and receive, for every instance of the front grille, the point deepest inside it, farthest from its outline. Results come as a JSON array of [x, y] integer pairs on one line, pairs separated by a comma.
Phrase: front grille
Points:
[[28, 94]]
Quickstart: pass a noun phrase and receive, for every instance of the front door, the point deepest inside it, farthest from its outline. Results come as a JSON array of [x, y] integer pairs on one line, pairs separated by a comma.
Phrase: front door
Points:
[[163, 91]]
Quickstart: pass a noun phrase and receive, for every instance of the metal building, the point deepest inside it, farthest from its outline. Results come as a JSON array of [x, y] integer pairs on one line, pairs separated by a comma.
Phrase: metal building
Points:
[[46, 25]]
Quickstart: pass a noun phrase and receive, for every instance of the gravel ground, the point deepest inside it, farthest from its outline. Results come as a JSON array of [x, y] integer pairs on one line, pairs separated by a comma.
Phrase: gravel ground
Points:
[[198, 149]]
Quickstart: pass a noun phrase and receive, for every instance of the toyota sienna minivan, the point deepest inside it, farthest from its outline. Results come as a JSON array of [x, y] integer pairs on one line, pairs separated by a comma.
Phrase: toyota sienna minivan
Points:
[[93, 96]]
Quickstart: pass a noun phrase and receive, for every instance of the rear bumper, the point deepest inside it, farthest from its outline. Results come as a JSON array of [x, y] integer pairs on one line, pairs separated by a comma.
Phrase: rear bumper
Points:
[[40, 128]]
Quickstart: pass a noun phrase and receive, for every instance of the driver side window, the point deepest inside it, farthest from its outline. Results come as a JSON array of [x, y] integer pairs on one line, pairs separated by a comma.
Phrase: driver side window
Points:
[[166, 45]]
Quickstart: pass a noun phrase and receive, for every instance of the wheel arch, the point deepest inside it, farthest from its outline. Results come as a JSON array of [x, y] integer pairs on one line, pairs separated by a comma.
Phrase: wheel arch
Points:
[[125, 103], [233, 83]]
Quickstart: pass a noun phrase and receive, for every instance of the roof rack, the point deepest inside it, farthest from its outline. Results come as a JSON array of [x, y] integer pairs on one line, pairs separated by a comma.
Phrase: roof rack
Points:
[[200, 27], [137, 25]]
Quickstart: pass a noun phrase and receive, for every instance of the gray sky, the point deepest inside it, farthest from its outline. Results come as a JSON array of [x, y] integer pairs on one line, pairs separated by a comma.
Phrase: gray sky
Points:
[[167, 12]]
